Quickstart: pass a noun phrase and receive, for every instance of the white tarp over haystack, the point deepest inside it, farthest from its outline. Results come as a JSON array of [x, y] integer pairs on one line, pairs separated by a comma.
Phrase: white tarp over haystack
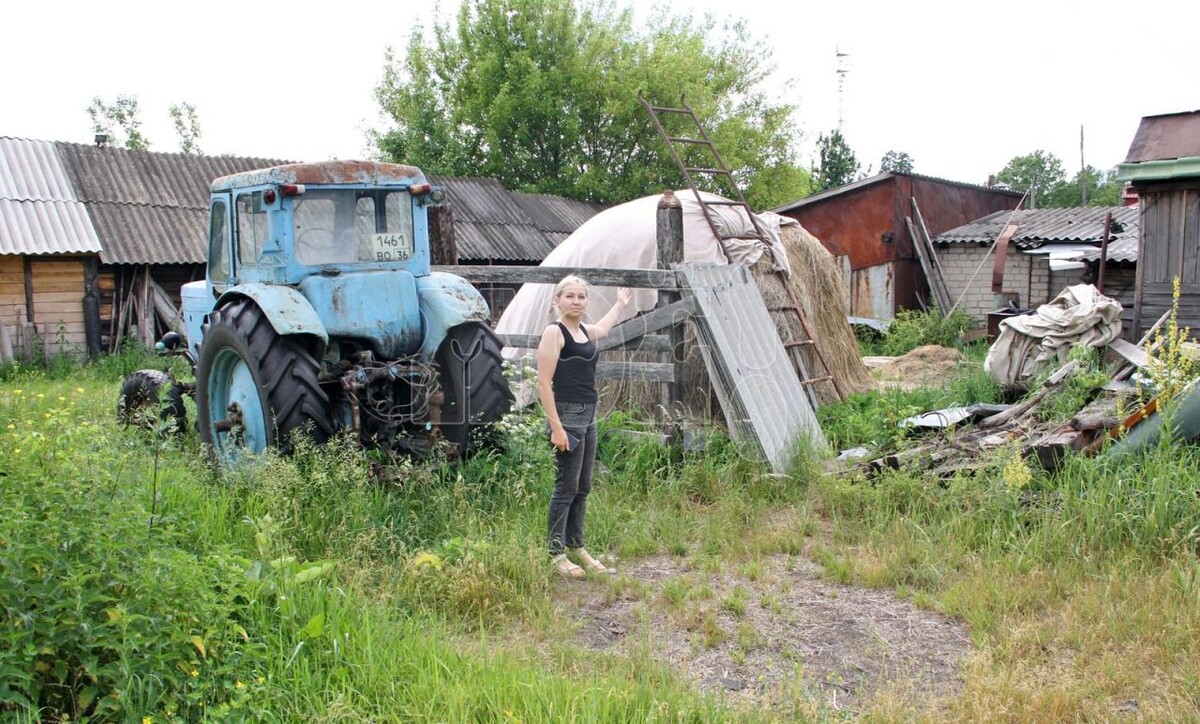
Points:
[[1079, 315], [625, 237]]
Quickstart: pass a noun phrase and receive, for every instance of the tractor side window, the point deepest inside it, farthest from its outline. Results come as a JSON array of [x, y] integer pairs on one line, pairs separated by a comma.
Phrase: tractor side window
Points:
[[218, 245], [252, 227]]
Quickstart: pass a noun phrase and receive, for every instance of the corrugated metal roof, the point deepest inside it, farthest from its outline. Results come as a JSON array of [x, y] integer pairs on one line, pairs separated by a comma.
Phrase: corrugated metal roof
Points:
[[1042, 226], [556, 214], [148, 207], [491, 222], [870, 180], [1165, 137], [39, 211], [144, 207]]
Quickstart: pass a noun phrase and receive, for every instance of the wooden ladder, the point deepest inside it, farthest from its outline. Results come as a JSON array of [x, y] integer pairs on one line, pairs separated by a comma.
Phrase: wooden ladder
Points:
[[718, 170]]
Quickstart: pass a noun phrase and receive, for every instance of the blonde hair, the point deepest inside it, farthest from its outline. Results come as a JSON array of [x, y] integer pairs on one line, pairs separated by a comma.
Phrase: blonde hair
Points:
[[559, 288]]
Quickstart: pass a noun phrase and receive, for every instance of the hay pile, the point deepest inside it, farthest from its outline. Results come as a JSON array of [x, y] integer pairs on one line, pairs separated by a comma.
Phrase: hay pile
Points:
[[816, 282], [926, 366]]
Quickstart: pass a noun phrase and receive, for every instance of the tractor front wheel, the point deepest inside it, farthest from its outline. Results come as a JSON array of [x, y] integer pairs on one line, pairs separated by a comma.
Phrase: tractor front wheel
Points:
[[475, 390], [255, 387]]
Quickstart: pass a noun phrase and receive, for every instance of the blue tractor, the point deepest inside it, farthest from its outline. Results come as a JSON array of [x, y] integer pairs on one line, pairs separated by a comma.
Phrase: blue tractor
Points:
[[319, 313]]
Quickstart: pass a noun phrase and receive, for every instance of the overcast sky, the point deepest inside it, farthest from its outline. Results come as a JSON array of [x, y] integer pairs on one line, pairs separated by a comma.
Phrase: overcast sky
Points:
[[961, 87]]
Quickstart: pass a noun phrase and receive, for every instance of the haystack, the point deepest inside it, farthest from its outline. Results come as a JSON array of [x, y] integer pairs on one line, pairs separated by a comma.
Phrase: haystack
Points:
[[817, 284]]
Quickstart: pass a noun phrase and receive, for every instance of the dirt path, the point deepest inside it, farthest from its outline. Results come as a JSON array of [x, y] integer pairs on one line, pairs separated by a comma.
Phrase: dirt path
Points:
[[772, 630]]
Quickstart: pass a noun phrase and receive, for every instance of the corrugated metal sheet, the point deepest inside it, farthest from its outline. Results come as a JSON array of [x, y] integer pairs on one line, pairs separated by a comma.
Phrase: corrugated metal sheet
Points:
[[759, 392], [1042, 226], [1166, 137], [39, 211], [149, 208]]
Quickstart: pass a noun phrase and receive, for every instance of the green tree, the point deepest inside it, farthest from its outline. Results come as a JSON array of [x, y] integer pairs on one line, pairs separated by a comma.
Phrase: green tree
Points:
[[1103, 189], [120, 121], [837, 164], [542, 96], [1040, 171], [896, 162], [187, 127]]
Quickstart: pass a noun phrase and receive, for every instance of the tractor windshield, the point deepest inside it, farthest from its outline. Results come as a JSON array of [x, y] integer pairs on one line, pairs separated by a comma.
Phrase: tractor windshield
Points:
[[352, 226]]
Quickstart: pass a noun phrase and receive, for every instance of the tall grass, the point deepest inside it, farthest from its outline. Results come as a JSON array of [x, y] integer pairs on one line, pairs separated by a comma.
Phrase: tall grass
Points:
[[337, 583]]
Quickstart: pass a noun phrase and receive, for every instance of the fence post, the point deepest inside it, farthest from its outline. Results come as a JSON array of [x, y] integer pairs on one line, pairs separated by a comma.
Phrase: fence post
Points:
[[669, 234]]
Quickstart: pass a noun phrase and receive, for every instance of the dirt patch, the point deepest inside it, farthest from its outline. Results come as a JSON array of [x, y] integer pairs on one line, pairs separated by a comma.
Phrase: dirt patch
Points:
[[760, 634], [925, 366]]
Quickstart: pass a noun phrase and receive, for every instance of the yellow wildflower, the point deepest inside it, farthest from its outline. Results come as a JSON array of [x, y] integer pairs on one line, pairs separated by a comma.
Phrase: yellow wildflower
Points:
[[193, 672], [61, 398], [40, 396], [79, 390], [239, 685]]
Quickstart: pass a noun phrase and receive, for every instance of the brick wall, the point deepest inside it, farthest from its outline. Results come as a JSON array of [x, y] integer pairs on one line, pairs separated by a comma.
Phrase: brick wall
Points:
[[1027, 276]]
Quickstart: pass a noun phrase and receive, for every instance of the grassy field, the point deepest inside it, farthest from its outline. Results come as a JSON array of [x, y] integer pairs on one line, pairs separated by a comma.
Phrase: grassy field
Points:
[[138, 583]]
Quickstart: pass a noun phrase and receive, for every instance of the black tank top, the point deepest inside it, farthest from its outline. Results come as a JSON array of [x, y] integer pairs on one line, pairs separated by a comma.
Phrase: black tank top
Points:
[[575, 376]]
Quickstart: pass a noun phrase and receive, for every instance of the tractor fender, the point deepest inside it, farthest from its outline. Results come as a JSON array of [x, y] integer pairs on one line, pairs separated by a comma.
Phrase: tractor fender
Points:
[[447, 301], [285, 308]]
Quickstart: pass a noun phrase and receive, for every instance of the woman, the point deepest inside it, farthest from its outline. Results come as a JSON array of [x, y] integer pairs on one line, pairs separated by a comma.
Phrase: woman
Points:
[[566, 373]]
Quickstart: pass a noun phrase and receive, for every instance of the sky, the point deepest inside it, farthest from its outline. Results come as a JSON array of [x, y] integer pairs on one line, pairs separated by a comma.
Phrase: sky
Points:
[[962, 87]]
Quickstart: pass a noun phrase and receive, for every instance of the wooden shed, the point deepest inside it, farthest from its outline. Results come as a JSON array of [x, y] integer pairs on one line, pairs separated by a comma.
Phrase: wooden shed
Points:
[[865, 223], [1163, 164]]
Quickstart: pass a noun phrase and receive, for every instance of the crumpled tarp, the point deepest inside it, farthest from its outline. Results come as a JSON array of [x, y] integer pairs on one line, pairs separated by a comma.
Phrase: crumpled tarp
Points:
[[625, 237], [1079, 315]]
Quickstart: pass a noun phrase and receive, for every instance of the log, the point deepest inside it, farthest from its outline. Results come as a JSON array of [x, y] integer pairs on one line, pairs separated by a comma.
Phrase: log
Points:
[[599, 277], [166, 310], [1032, 400]]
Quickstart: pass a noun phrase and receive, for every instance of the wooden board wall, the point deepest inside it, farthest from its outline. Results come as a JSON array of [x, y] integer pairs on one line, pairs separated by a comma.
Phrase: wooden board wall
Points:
[[12, 296], [58, 305]]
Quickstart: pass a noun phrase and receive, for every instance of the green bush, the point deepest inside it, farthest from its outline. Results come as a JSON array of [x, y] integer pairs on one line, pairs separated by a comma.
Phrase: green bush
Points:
[[911, 329]]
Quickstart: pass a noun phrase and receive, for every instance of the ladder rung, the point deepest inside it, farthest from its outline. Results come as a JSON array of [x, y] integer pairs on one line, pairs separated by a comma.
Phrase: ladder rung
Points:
[[803, 343], [697, 141], [707, 170], [681, 111], [815, 380]]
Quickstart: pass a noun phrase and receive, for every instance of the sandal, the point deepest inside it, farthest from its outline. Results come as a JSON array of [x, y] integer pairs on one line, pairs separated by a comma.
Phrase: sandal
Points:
[[565, 568], [591, 564]]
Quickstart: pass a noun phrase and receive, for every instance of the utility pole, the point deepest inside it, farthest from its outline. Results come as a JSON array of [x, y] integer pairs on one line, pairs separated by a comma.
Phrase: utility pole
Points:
[[1083, 180], [842, 70]]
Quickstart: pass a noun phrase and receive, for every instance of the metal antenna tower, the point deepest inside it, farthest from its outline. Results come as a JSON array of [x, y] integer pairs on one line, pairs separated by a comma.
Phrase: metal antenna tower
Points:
[[842, 70]]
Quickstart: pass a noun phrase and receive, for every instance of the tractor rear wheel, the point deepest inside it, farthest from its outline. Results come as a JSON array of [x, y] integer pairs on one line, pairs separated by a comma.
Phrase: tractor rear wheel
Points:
[[476, 393], [152, 399], [255, 387]]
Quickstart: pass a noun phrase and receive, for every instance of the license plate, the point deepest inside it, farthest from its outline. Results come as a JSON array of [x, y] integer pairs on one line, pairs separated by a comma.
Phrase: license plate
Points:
[[391, 247]]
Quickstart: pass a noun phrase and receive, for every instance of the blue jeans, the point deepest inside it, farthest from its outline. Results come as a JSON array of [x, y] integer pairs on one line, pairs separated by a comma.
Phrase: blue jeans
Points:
[[573, 480]]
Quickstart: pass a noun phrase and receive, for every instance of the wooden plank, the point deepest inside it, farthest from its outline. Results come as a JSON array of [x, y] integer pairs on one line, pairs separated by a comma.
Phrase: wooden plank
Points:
[[644, 324], [648, 343], [636, 371], [1131, 352], [758, 390], [942, 302], [600, 277]]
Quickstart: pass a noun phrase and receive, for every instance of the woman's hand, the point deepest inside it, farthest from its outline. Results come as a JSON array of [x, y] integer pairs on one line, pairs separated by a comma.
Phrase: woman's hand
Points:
[[558, 439], [624, 296]]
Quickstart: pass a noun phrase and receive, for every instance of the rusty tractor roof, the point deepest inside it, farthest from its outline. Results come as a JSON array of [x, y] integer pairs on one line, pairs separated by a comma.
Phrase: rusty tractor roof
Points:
[[373, 173]]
